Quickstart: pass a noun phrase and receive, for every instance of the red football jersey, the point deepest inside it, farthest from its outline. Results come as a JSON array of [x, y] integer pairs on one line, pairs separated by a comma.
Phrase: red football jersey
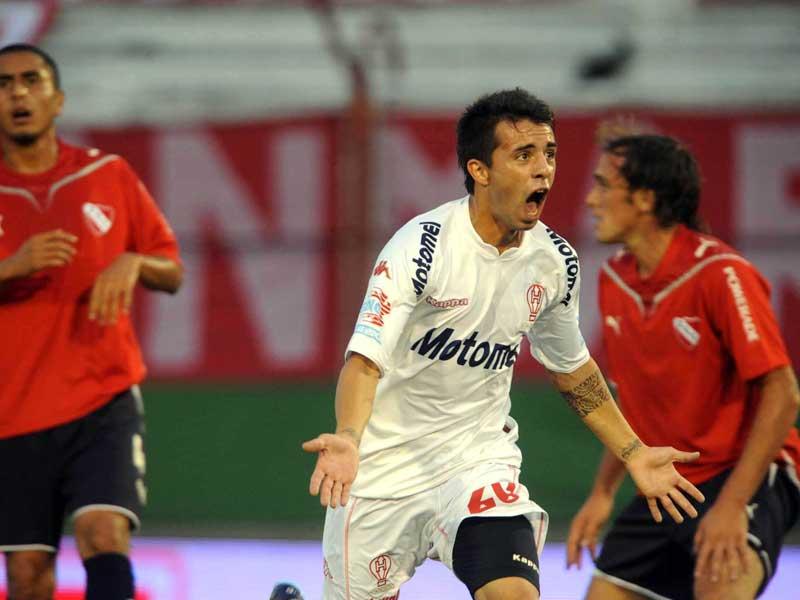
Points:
[[55, 364], [682, 345]]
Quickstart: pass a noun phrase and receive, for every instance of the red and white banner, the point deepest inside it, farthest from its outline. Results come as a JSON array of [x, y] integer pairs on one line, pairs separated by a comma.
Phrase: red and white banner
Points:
[[256, 209]]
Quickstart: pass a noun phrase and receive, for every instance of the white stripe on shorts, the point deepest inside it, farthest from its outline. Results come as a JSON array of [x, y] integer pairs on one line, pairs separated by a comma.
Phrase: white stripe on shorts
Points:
[[110, 508], [24, 547]]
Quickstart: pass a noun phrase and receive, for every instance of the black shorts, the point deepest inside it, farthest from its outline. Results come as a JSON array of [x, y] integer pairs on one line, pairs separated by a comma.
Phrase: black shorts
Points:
[[95, 462], [656, 559]]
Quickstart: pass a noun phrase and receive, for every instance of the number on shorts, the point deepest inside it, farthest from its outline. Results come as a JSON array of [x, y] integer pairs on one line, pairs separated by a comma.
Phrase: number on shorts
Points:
[[137, 447], [477, 503]]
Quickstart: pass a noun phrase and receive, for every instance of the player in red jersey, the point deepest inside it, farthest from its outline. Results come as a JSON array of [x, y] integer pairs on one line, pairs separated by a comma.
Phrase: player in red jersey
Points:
[[694, 349], [78, 231]]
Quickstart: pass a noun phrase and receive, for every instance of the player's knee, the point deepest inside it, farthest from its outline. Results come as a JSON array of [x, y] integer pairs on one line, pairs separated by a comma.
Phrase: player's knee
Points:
[[31, 576], [508, 588], [600, 589], [723, 591], [102, 532]]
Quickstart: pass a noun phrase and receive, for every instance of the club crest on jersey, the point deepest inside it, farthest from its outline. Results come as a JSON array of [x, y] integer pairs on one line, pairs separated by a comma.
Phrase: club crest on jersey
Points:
[[535, 297], [424, 259], [380, 567], [687, 334], [99, 218]]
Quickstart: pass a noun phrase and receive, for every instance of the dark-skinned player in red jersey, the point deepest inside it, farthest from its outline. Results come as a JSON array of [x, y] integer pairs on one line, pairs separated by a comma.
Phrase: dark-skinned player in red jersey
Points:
[[694, 349], [78, 233]]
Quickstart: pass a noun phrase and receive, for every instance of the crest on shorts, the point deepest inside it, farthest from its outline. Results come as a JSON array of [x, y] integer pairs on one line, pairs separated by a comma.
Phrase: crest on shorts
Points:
[[98, 217], [535, 297], [380, 567]]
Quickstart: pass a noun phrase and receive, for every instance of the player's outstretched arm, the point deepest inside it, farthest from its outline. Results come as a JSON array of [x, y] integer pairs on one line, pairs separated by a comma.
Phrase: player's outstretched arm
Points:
[[650, 467], [337, 463]]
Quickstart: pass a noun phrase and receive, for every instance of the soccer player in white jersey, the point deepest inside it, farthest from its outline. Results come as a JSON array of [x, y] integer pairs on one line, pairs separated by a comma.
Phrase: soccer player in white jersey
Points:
[[424, 461]]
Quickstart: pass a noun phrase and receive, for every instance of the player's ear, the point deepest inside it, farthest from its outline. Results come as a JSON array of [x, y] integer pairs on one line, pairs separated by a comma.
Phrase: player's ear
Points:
[[645, 201], [59, 96], [478, 171]]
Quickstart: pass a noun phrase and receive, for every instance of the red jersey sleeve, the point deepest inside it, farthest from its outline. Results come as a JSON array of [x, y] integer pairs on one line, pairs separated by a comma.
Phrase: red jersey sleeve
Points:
[[151, 234], [737, 298]]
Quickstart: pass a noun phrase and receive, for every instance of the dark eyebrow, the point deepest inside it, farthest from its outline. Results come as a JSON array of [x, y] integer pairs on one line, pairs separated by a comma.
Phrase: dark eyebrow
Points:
[[526, 147], [23, 74], [599, 179]]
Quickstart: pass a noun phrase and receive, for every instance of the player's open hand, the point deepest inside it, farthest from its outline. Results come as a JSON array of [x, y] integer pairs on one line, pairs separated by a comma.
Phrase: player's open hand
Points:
[[112, 292], [720, 543], [655, 476], [584, 530], [44, 250], [337, 465]]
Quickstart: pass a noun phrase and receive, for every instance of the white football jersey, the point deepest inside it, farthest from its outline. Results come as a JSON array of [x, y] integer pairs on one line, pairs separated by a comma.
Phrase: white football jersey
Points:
[[443, 318]]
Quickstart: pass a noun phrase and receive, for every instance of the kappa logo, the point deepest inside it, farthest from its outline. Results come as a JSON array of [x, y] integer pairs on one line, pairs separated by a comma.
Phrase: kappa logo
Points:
[[525, 561], [449, 303], [99, 218], [382, 269], [535, 297], [380, 567]]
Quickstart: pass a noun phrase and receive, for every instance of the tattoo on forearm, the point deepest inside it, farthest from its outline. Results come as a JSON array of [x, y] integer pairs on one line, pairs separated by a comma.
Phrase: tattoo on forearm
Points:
[[350, 432], [628, 450], [587, 395]]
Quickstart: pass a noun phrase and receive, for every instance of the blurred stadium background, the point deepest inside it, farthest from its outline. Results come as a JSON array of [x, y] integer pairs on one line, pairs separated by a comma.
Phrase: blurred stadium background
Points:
[[286, 141]]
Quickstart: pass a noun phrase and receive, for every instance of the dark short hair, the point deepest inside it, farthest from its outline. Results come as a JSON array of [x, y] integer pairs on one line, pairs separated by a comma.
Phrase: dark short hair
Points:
[[475, 131], [665, 166], [51, 64]]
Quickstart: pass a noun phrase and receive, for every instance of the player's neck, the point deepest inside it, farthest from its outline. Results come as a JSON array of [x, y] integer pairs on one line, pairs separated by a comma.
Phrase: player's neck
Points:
[[489, 230], [648, 247], [39, 157]]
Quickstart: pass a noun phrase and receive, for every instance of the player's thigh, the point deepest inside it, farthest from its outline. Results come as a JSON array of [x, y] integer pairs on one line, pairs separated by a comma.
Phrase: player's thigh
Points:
[[601, 589], [31, 507], [496, 557], [745, 587], [107, 465], [372, 546], [488, 528], [508, 588]]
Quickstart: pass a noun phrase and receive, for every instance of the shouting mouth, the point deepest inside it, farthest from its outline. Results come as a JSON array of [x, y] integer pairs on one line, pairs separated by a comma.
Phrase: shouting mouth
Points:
[[537, 196], [21, 116]]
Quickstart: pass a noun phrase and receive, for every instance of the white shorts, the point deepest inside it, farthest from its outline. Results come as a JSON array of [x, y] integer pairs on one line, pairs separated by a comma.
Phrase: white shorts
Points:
[[372, 546]]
